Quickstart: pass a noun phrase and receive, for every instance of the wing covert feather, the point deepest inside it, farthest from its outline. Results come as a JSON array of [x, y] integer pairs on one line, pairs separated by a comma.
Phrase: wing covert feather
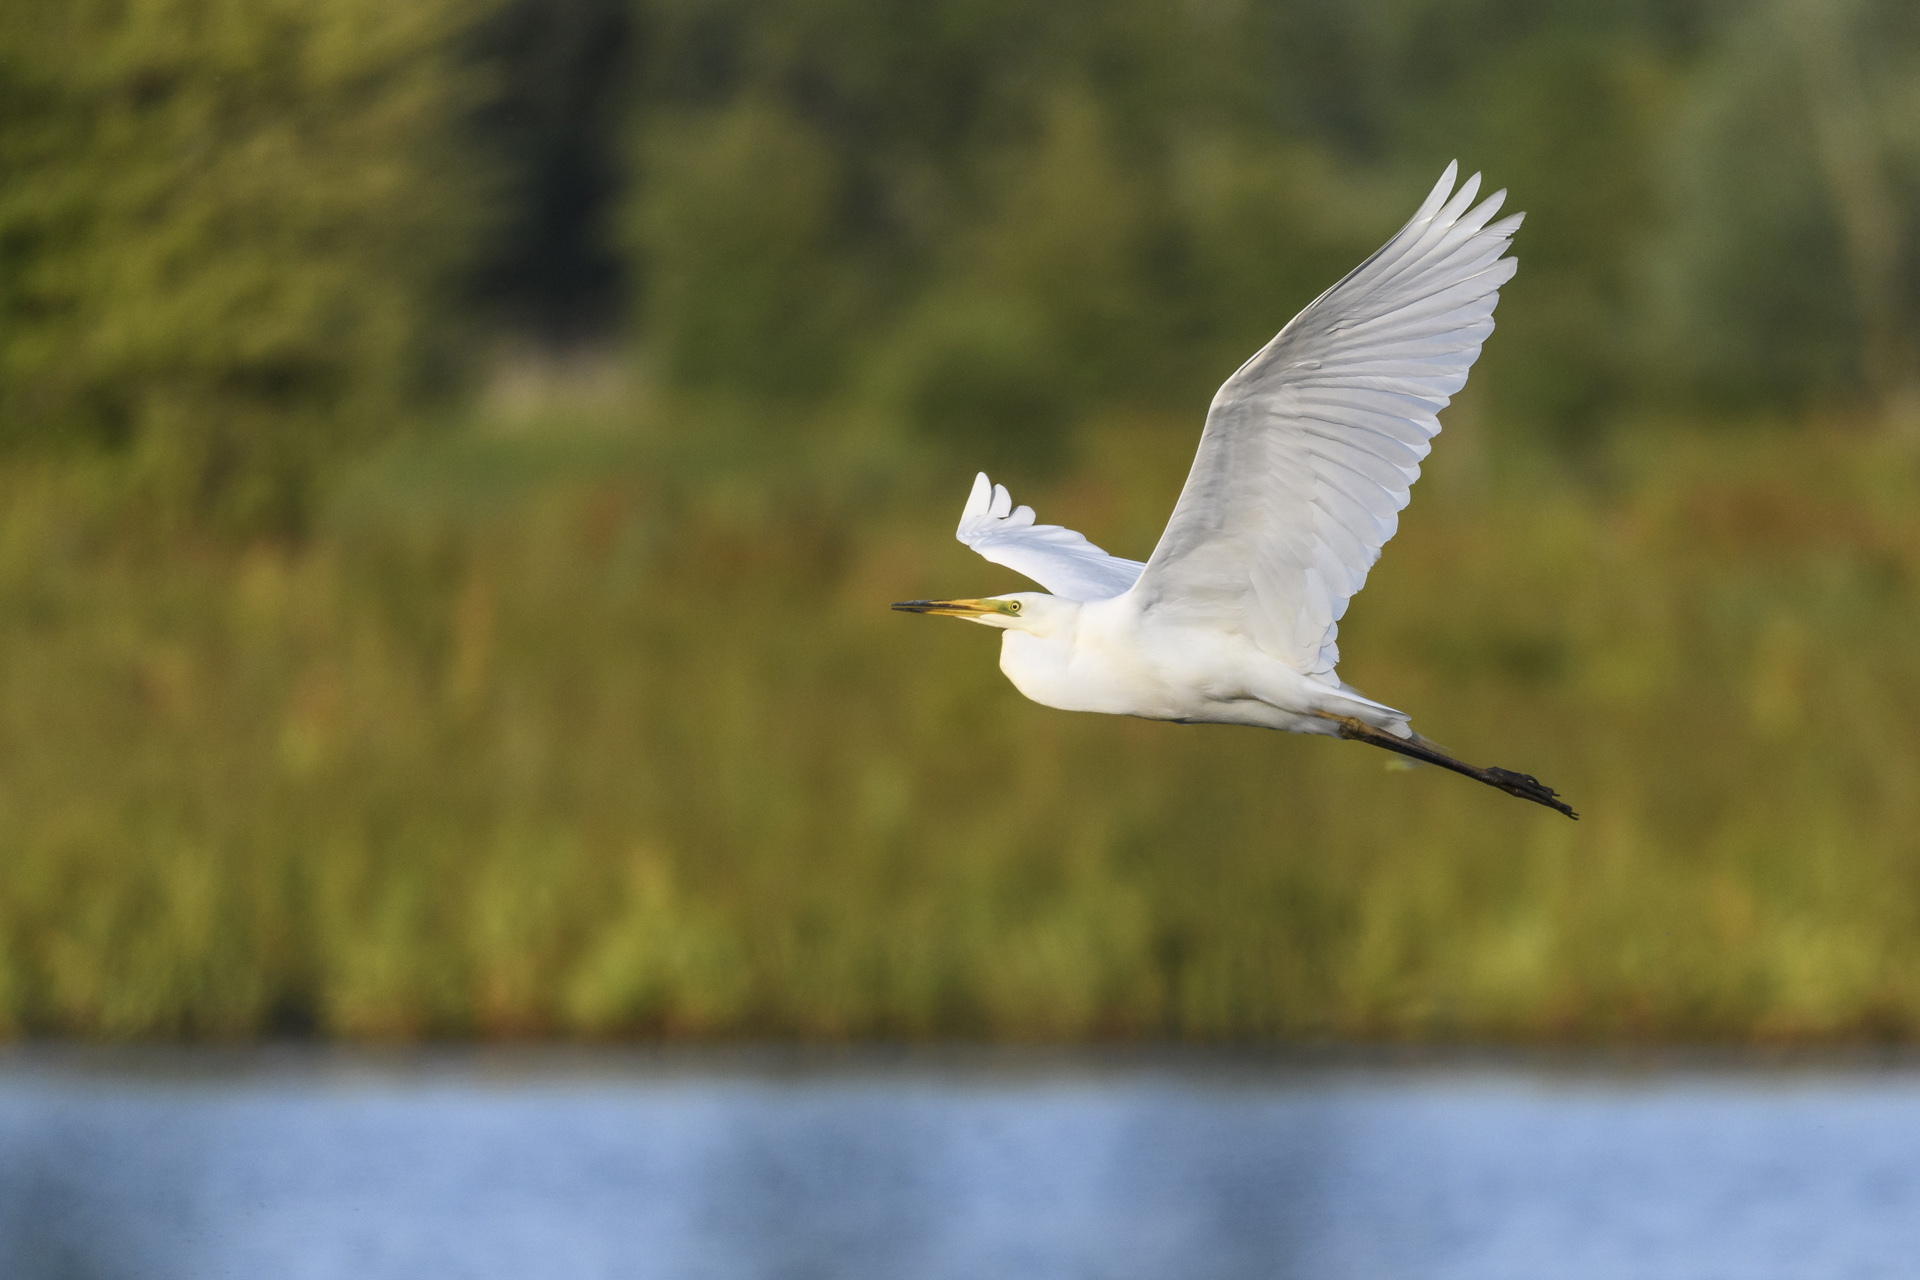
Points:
[[1311, 447]]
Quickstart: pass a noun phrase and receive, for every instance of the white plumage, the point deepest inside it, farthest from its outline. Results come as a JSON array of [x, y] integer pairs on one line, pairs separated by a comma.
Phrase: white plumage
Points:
[[1304, 464], [1059, 559]]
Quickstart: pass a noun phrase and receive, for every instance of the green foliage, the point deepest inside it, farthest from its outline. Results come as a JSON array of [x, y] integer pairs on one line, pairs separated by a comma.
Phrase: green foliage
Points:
[[1724, 202], [735, 225], [226, 228], [1793, 259], [238, 238], [626, 757], [1038, 310]]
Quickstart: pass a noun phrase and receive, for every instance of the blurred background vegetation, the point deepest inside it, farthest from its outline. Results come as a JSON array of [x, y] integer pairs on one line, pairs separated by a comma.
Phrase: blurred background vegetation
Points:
[[455, 457]]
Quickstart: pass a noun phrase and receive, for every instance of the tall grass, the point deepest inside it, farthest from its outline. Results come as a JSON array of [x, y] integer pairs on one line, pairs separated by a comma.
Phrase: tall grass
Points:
[[586, 751]]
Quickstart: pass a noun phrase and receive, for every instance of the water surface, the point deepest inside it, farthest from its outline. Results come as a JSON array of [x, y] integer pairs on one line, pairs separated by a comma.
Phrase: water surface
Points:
[[960, 1165]]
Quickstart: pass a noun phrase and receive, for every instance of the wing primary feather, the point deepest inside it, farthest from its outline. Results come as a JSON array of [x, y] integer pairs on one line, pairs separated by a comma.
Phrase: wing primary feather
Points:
[[1311, 447]]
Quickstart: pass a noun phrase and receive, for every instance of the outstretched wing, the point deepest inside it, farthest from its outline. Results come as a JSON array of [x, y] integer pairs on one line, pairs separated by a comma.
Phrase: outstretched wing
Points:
[[1058, 559], [1310, 448]]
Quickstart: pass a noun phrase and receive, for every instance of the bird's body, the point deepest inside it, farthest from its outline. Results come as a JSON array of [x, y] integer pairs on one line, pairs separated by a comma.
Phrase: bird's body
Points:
[[1305, 461], [1114, 657]]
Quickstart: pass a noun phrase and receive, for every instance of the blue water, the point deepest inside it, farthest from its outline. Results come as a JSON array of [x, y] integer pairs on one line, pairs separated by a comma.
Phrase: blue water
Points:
[[969, 1167]]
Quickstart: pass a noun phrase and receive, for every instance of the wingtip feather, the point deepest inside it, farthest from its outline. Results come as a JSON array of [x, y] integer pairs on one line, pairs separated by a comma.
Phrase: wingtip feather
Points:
[[1461, 199], [980, 495], [977, 500], [1483, 212], [1436, 197]]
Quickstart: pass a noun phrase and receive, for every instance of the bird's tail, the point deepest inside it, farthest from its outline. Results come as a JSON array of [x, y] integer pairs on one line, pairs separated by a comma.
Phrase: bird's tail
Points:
[[1349, 703]]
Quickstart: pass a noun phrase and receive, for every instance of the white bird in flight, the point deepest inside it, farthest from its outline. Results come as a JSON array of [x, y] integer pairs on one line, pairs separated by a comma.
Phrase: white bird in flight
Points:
[[1304, 464]]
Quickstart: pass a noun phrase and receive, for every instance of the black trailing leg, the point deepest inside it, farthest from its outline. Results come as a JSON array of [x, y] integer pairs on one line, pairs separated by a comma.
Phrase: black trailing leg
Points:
[[1524, 785]]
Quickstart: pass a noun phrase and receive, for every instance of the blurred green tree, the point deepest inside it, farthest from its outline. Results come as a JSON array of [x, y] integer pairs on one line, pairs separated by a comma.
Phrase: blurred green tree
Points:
[[1042, 305], [1790, 265], [992, 217], [555, 119], [228, 233], [973, 212], [737, 228], [239, 238]]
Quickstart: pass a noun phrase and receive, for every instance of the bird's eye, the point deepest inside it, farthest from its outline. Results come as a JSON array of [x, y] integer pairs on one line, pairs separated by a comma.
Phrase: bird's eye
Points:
[[1013, 606]]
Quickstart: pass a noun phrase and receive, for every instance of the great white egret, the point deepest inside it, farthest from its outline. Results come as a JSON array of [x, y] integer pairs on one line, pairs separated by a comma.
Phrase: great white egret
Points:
[[1304, 464]]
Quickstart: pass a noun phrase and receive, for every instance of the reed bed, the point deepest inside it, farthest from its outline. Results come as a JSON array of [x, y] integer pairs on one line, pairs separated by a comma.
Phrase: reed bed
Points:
[[593, 751]]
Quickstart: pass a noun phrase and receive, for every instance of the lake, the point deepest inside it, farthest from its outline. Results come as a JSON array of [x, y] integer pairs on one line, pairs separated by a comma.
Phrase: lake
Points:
[[962, 1164]]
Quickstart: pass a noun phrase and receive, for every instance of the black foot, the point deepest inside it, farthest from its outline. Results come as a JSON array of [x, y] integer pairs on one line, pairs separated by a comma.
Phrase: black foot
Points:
[[1523, 785], [1528, 787]]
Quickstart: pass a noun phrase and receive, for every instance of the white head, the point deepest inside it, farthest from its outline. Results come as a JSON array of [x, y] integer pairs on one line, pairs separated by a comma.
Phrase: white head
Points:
[[1034, 612]]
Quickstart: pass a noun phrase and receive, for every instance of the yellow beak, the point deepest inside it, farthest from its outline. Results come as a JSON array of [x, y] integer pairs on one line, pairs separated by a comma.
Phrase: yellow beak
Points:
[[959, 608]]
